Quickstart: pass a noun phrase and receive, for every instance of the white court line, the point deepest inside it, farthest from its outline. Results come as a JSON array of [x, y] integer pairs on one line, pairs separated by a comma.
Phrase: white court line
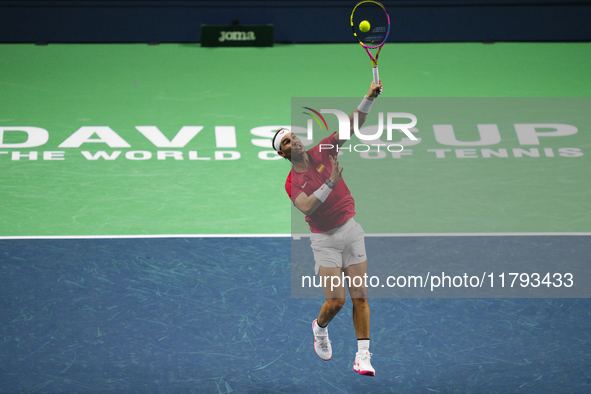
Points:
[[294, 236], [298, 236], [146, 236]]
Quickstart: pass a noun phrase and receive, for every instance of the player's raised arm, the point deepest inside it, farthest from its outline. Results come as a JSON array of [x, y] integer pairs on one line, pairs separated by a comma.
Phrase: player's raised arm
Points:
[[363, 109]]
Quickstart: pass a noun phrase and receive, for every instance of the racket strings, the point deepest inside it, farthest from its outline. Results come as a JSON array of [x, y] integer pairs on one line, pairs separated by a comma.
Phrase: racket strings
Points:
[[378, 20]]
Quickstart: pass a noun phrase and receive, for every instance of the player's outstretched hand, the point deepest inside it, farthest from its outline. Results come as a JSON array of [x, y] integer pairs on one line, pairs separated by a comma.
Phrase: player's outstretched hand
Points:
[[335, 176], [375, 90]]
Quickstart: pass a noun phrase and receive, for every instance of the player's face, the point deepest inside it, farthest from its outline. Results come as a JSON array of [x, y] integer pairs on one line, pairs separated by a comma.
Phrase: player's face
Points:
[[291, 145]]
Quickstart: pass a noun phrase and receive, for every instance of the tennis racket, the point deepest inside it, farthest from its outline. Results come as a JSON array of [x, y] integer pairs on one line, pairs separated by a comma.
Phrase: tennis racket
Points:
[[372, 17]]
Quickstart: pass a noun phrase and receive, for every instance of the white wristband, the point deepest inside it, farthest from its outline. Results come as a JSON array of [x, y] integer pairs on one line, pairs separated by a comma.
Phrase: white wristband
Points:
[[365, 105], [322, 192]]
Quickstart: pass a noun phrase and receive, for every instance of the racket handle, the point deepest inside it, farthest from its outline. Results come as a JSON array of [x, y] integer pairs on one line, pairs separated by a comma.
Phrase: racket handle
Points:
[[376, 77]]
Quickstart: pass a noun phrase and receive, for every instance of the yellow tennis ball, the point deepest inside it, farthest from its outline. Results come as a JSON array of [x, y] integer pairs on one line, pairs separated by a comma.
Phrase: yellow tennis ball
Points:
[[364, 26]]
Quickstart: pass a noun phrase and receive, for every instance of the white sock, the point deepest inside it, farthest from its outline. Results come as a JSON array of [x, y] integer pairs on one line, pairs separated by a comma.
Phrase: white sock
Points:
[[320, 330], [362, 345]]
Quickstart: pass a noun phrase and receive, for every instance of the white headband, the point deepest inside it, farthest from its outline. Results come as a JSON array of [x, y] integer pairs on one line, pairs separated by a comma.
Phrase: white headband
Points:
[[278, 137]]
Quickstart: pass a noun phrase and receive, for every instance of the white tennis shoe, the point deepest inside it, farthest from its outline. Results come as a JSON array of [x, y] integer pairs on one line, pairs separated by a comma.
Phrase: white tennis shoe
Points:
[[322, 344], [363, 364]]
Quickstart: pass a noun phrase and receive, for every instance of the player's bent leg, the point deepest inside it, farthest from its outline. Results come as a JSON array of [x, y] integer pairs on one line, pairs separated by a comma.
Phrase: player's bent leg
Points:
[[334, 291], [335, 299]]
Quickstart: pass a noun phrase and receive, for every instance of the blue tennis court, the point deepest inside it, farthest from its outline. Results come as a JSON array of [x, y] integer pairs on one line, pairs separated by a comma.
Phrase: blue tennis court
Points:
[[215, 315]]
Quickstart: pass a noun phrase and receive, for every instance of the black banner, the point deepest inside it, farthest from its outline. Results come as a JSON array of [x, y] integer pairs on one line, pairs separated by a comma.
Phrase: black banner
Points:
[[236, 35]]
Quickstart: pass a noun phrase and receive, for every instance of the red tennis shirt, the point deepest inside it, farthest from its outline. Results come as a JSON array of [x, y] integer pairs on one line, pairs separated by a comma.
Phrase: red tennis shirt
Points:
[[339, 206]]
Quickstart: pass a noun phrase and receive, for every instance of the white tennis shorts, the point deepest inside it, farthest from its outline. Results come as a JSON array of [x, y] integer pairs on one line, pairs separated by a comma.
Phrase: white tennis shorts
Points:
[[340, 247]]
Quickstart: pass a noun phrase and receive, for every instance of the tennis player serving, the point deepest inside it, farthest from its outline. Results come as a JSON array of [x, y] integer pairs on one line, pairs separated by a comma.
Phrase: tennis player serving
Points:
[[316, 188]]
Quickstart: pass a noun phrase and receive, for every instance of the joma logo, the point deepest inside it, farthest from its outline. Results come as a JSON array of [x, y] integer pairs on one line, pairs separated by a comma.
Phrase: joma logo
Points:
[[237, 36]]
